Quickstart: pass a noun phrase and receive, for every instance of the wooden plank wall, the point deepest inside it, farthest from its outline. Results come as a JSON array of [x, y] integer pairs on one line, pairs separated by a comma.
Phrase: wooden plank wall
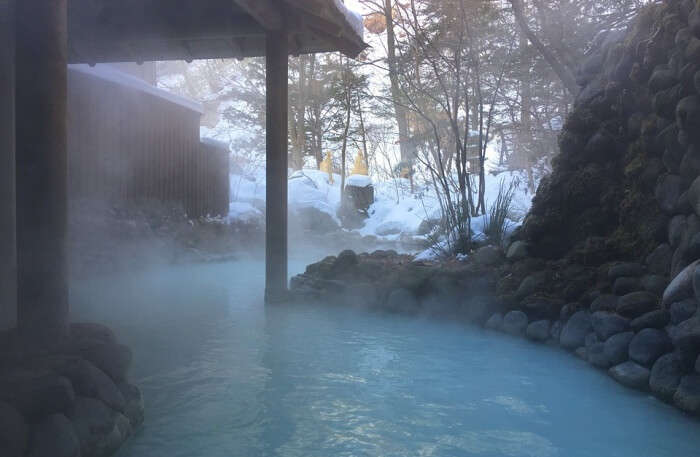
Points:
[[128, 145]]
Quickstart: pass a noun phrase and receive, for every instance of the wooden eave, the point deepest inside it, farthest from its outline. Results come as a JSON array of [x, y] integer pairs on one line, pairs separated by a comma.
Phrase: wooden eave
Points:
[[146, 30]]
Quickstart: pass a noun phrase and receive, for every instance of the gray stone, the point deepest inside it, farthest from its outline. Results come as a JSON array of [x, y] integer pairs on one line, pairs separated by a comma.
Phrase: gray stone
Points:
[[683, 310], [538, 330], [134, 409], [574, 333], [514, 322], [517, 250], [648, 345], [681, 287], [616, 349], [625, 284], [656, 284], [665, 376], [659, 261], [99, 429], [604, 302], [628, 269], [495, 322], [697, 364], [37, 395], [668, 189], [13, 431], [596, 355], [636, 303], [402, 301], [686, 336], [607, 324], [662, 78], [654, 319], [631, 375], [687, 397], [54, 437], [676, 227], [688, 109], [555, 330], [488, 255], [591, 339], [530, 284], [568, 310], [694, 195], [345, 264]]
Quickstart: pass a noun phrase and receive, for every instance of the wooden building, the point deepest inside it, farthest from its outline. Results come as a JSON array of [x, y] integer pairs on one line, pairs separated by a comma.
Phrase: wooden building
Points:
[[130, 141], [38, 38]]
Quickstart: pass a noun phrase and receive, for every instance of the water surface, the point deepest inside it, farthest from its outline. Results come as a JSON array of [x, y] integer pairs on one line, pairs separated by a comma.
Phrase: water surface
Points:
[[224, 376]]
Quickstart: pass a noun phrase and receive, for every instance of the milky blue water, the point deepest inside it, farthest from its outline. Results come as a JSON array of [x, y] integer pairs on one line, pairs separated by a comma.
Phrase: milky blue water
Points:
[[224, 376]]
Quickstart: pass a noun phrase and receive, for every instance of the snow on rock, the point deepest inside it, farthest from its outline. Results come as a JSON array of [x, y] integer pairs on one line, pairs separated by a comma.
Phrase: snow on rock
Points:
[[358, 181], [244, 212]]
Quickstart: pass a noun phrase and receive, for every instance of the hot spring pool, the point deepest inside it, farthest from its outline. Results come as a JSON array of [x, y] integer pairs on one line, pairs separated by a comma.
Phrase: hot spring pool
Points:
[[224, 376]]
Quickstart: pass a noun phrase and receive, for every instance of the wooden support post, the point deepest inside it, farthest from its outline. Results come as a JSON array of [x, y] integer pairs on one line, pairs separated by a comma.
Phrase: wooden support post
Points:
[[276, 168], [8, 252], [41, 93]]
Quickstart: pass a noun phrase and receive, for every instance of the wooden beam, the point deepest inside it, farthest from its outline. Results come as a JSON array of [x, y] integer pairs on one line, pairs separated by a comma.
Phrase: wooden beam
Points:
[[276, 167], [41, 161], [266, 12]]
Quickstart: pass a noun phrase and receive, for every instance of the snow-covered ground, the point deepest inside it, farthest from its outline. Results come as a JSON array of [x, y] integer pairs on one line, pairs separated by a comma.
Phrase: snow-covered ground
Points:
[[396, 213]]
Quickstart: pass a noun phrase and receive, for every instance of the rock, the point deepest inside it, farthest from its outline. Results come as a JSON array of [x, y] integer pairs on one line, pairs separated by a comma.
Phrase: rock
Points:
[[37, 395], [531, 284], [345, 264], [541, 307], [676, 227], [517, 250], [314, 220], [604, 302], [88, 380], [665, 376], [13, 431], [596, 355], [636, 303], [514, 322], [687, 397], [686, 336], [567, 311], [134, 410], [495, 322], [648, 345], [654, 319], [574, 333], [538, 330], [54, 437], [581, 353], [631, 375], [607, 324], [488, 255], [616, 348], [694, 195], [662, 78], [697, 365], [89, 331], [668, 189], [655, 284], [402, 301], [625, 284], [659, 261], [688, 109], [99, 429], [555, 330], [628, 269], [681, 287], [683, 310]]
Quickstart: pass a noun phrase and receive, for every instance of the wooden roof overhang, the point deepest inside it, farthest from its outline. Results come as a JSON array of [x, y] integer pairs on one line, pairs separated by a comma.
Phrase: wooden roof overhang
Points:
[[146, 30]]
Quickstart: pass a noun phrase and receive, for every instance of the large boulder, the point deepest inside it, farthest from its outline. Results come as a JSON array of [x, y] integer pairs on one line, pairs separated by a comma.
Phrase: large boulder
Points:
[[517, 250], [658, 318], [681, 287], [655, 284], [604, 302], [628, 269], [538, 330], [686, 337], [573, 335], [616, 348], [607, 324], [626, 284], [134, 409], [488, 255], [37, 394], [54, 436], [596, 355], [631, 375], [665, 376], [659, 261], [531, 284], [687, 397], [648, 345], [683, 310], [13, 431], [668, 189], [515, 323], [99, 429], [495, 322], [402, 300], [636, 303]]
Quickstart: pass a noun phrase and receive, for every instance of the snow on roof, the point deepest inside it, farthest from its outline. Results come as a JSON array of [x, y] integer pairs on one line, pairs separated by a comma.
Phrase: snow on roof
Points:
[[108, 73], [352, 17]]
